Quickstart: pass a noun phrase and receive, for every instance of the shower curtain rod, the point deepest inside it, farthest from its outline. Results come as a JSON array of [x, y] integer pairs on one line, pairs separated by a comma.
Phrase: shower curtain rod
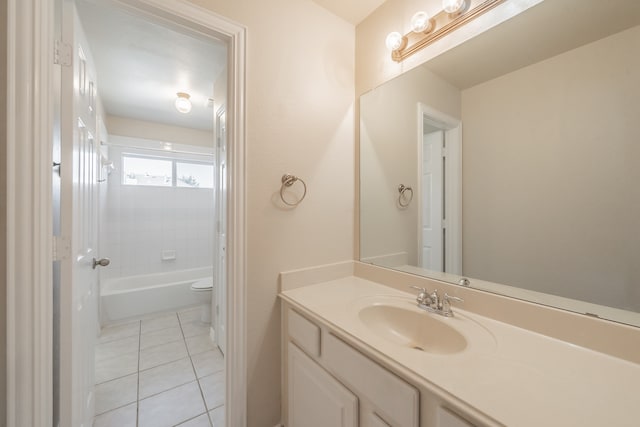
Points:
[[164, 150]]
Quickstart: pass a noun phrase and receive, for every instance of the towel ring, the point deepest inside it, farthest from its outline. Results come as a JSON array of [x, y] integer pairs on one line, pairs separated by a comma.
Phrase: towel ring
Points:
[[403, 196], [287, 181]]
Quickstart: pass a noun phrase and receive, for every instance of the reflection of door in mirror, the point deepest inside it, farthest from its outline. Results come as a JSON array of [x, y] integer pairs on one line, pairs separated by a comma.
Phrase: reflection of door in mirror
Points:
[[431, 229], [439, 189]]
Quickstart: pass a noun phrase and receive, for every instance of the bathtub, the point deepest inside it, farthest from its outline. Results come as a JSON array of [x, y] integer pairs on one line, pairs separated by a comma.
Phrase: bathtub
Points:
[[136, 296]]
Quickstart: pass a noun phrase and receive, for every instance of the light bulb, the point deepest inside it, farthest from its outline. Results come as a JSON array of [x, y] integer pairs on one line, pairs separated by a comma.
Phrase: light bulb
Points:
[[453, 6], [183, 104], [394, 41], [420, 22]]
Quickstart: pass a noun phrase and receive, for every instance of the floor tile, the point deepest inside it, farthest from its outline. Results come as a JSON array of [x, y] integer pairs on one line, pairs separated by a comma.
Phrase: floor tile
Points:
[[122, 417], [199, 344], [194, 328], [116, 393], [190, 314], [201, 421], [116, 348], [160, 322], [161, 336], [116, 332], [208, 362], [217, 416], [165, 377], [162, 354], [116, 367], [171, 407], [213, 389]]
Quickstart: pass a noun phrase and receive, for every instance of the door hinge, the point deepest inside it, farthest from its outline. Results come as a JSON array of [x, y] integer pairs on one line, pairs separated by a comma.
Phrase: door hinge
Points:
[[61, 53], [55, 248]]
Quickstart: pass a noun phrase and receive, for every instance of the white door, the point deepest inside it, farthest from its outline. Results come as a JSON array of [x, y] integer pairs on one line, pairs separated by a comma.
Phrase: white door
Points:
[[79, 232], [316, 399], [432, 251], [221, 230]]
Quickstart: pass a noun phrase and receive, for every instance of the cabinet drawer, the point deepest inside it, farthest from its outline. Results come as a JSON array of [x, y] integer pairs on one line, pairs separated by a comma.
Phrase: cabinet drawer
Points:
[[395, 400], [304, 333]]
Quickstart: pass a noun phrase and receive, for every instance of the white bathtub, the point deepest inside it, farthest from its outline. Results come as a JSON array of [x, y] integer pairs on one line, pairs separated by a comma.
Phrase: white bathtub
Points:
[[137, 296]]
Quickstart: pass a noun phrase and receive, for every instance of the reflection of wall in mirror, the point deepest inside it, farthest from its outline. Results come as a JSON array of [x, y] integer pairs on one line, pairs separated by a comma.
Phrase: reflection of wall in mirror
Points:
[[388, 157], [582, 224]]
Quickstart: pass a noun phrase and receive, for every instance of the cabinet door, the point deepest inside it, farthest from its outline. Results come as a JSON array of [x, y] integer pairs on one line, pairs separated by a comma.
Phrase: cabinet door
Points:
[[373, 420], [316, 399]]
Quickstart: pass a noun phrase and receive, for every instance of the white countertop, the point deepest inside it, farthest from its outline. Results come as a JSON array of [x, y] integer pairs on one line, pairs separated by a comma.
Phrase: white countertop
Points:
[[514, 376]]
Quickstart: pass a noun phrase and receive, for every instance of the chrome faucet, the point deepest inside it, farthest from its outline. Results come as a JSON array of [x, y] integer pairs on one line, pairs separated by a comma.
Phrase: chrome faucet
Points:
[[432, 302]]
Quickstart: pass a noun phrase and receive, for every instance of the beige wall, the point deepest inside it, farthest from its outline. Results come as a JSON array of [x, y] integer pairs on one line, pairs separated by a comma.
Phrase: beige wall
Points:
[[300, 86], [544, 164], [388, 157], [125, 126], [3, 213]]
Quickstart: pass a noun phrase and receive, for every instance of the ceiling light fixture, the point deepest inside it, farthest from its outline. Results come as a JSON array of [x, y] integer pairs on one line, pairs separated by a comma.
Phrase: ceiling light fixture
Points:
[[183, 104], [426, 30]]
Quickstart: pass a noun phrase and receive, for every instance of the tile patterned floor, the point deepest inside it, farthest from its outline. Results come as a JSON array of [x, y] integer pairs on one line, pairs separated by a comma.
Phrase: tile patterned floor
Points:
[[162, 371]]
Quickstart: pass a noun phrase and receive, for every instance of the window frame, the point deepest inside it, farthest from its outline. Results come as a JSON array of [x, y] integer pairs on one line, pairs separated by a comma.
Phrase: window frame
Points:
[[174, 168]]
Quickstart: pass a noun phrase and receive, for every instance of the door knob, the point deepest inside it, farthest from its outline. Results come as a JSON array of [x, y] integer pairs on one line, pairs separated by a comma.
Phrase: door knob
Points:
[[102, 262]]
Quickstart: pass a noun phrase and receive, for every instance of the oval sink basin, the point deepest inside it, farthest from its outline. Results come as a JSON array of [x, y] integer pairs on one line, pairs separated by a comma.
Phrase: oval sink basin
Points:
[[413, 329]]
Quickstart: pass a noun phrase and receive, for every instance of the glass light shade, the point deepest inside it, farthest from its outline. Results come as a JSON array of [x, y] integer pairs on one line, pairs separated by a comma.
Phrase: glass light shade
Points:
[[452, 6], [420, 22], [394, 41], [183, 104]]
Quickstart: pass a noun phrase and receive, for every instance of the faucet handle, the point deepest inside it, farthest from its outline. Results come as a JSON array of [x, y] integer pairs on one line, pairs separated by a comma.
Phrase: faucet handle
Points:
[[418, 288], [450, 298]]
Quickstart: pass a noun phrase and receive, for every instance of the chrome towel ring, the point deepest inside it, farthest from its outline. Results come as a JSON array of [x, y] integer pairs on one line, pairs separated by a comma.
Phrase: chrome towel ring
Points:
[[287, 181], [407, 197]]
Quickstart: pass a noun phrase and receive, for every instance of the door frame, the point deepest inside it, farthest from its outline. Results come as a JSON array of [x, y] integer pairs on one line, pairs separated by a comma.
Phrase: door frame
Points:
[[452, 128], [30, 245]]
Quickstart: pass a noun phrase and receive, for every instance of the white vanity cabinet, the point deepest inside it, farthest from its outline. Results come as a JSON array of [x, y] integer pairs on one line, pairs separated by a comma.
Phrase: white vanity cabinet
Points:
[[316, 399], [327, 382]]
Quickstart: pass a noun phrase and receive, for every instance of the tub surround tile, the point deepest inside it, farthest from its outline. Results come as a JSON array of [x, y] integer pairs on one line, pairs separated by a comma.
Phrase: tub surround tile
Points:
[[208, 363], [201, 421], [213, 390], [217, 416], [162, 354], [116, 367], [165, 377], [171, 407], [121, 417], [116, 393], [116, 332], [160, 322], [199, 344], [161, 336], [117, 348]]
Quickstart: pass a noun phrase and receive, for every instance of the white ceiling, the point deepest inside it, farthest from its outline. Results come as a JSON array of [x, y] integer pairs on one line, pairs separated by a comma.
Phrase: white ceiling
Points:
[[353, 11], [141, 65]]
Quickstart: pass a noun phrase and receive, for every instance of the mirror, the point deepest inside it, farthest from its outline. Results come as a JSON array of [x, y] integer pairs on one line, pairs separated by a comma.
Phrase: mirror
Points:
[[514, 160]]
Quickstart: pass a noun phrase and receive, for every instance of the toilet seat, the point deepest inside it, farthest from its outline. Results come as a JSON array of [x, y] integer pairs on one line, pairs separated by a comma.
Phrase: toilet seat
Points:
[[202, 285]]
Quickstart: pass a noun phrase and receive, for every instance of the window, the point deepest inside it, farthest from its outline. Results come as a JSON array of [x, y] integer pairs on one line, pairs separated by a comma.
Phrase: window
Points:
[[164, 172], [147, 171], [194, 175]]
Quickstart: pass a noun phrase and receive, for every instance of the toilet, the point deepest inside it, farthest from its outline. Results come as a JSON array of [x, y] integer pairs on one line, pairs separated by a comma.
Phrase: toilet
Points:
[[204, 285]]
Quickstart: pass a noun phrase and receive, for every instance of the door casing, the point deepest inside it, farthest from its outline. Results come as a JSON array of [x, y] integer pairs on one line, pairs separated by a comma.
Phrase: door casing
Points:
[[30, 246]]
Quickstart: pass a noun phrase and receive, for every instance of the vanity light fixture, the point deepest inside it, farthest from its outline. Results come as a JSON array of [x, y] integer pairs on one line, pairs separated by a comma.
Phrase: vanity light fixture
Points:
[[426, 30], [183, 103]]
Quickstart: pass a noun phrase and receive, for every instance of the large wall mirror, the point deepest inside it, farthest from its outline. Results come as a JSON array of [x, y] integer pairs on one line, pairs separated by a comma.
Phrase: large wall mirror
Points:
[[514, 160]]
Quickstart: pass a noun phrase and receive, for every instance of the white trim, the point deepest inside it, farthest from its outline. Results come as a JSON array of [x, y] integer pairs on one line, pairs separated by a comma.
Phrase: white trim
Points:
[[452, 128], [30, 38], [29, 212]]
